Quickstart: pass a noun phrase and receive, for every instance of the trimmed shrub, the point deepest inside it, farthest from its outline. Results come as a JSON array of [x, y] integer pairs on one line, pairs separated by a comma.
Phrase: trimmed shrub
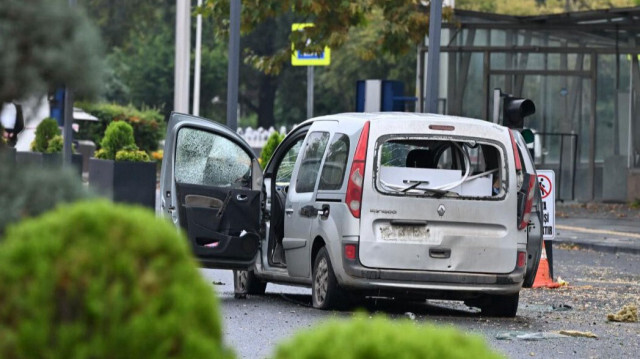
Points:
[[133, 156], [46, 130], [28, 192], [99, 280], [379, 337], [118, 135], [148, 125], [55, 145], [270, 147]]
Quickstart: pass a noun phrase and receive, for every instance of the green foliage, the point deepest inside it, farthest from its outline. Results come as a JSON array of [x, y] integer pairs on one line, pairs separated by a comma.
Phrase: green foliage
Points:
[[28, 192], [118, 135], [148, 125], [99, 280], [46, 130], [44, 44], [3, 141], [132, 156], [56, 144], [364, 338], [270, 147]]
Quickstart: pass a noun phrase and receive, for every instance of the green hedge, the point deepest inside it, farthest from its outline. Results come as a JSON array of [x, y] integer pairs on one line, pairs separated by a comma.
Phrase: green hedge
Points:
[[270, 147], [148, 125], [379, 337], [31, 191], [99, 280]]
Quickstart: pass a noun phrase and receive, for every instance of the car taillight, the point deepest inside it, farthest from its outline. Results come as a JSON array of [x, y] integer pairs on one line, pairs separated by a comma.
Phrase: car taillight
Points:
[[356, 175], [522, 259], [526, 213], [516, 155], [350, 251]]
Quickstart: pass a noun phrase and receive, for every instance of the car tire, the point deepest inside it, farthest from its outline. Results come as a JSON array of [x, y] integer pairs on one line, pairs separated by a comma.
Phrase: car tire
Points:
[[501, 305], [245, 282], [325, 291]]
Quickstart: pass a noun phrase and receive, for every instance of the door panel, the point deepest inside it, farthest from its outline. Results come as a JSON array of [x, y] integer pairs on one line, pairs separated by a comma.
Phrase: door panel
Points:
[[298, 220], [212, 187]]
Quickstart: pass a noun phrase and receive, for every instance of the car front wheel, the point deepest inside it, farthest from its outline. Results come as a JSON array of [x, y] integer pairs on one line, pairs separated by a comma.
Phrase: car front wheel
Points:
[[245, 282]]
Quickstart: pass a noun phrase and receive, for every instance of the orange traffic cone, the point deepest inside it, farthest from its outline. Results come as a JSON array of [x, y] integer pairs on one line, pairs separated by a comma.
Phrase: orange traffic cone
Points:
[[543, 279]]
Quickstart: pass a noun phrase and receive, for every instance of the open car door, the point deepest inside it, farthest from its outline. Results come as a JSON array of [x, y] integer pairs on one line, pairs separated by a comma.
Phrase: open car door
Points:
[[211, 186]]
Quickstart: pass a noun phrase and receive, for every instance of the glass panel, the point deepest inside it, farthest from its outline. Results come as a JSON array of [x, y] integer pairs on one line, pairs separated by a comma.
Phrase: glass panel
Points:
[[311, 158], [283, 174], [207, 159], [335, 164], [432, 167]]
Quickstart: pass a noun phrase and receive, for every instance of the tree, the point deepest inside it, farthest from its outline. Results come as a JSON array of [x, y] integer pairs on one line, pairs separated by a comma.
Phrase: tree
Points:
[[404, 24], [536, 7], [46, 44]]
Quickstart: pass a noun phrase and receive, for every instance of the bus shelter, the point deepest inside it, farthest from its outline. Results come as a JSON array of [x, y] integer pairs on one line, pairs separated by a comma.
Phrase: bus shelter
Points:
[[580, 69]]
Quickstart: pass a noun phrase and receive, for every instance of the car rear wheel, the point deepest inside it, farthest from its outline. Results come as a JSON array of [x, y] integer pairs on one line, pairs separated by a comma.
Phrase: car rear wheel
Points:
[[325, 291], [245, 282], [500, 305]]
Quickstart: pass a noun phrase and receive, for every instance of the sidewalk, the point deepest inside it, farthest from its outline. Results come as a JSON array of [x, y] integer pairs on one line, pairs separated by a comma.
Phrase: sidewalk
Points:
[[613, 228]]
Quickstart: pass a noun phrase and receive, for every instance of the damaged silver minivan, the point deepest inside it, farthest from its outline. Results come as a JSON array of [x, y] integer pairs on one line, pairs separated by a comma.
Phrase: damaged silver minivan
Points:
[[403, 205]]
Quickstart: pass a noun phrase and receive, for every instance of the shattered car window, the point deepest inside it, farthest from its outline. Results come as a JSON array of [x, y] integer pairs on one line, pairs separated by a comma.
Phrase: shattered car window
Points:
[[440, 168], [204, 158]]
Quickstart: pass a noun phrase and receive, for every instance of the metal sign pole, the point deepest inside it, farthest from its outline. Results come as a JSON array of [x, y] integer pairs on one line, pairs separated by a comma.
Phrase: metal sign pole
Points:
[[310, 79]]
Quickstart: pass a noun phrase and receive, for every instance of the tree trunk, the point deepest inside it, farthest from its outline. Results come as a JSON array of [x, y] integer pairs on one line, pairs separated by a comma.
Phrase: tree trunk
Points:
[[266, 100]]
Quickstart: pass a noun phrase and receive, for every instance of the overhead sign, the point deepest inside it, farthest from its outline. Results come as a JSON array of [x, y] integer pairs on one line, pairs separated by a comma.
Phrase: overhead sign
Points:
[[299, 58], [546, 181]]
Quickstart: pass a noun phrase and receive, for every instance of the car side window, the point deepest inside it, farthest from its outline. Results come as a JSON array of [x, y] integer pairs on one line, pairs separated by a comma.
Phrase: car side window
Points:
[[285, 168], [208, 159], [313, 150], [335, 164]]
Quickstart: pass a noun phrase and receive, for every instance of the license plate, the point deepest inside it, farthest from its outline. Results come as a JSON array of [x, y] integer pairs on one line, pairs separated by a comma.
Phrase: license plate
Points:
[[408, 234]]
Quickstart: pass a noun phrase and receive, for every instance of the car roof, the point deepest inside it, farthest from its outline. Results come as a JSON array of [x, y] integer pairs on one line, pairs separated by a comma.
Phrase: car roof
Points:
[[362, 117]]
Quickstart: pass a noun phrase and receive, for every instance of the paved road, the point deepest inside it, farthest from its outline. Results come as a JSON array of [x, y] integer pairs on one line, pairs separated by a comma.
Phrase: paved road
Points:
[[600, 283]]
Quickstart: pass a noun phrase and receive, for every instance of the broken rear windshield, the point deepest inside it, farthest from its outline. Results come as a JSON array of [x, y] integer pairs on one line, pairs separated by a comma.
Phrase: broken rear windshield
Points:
[[440, 168]]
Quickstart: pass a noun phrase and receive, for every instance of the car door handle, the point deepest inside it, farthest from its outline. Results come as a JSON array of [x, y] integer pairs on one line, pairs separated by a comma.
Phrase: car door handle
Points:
[[288, 211]]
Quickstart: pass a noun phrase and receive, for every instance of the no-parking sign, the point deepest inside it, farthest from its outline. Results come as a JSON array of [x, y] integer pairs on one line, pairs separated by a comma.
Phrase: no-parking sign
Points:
[[546, 181]]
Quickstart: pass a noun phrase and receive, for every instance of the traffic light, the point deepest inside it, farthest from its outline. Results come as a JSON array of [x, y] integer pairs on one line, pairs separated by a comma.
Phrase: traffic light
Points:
[[515, 109]]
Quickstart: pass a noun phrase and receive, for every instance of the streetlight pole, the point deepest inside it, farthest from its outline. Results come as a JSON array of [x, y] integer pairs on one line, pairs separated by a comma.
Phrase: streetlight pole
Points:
[[233, 71], [196, 70], [182, 59], [67, 129]]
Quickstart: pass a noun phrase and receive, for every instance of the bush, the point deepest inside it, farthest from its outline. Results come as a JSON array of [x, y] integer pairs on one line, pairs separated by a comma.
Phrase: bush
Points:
[[133, 156], [364, 338], [55, 144], [148, 125], [118, 135], [46, 130], [270, 147], [28, 192], [99, 280]]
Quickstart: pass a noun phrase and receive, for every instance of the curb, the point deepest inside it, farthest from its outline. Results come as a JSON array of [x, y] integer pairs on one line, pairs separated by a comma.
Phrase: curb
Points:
[[599, 247]]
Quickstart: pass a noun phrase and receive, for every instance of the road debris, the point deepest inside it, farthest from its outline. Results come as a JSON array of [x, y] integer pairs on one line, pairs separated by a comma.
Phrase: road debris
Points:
[[628, 313], [529, 336], [562, 282], [561, 307], [576, 333]]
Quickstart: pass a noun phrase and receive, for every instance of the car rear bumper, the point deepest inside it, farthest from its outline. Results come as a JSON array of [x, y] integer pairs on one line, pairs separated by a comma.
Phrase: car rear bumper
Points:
[[356, 276]]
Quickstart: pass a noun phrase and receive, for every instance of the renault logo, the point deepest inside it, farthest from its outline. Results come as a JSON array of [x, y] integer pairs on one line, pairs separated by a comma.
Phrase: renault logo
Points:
[[441, 210]]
